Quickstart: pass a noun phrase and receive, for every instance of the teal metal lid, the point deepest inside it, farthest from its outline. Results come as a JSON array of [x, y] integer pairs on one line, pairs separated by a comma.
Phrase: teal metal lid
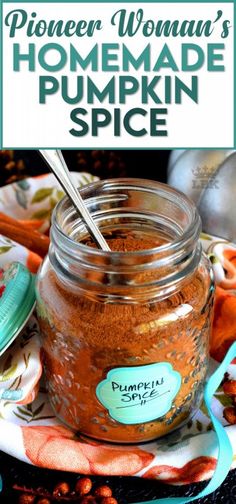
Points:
[[17, 301]]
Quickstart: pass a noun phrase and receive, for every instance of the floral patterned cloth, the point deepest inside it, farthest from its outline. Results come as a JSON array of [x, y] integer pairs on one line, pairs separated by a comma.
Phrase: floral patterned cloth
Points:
[[28, 428]]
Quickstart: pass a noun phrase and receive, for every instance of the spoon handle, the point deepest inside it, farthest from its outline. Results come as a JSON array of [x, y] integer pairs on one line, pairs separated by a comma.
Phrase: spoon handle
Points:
[[57, 164]]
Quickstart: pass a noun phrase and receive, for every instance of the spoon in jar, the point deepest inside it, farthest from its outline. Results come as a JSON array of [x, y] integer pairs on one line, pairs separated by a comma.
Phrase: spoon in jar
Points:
[[57, 164]]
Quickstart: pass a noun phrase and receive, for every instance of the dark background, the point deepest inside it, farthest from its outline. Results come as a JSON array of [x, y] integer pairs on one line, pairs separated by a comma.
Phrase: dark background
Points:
[[149, 164]]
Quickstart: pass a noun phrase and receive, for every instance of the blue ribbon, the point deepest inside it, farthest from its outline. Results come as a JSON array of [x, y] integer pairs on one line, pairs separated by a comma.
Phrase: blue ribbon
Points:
[[225, 455]]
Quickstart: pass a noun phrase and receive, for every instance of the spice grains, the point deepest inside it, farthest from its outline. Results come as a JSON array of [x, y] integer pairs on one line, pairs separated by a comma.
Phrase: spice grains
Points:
[[84, 338]]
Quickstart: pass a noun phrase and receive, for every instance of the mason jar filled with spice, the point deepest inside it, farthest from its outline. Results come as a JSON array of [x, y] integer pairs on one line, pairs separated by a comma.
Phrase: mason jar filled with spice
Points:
[[126, 332]]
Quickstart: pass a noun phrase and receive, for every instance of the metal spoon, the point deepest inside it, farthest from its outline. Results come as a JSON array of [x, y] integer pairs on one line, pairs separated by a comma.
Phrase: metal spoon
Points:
[[57, 164]]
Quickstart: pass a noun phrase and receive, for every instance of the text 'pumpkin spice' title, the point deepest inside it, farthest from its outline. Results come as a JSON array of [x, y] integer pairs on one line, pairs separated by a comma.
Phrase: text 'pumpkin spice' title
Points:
[[110, 74]]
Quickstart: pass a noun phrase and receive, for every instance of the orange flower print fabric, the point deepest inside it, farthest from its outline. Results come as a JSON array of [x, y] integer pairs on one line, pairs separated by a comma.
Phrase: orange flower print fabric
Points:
[[224, 323], [56, 448], [196, 470]]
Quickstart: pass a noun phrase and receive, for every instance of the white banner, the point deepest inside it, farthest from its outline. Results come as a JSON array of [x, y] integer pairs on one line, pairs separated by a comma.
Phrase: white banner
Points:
[[118, 75]]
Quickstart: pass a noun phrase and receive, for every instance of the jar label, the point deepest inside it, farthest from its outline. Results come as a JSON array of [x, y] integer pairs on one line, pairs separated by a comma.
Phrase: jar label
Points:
[[139, 394]]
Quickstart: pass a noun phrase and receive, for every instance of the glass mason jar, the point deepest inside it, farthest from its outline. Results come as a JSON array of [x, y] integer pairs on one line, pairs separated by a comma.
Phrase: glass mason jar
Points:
[[125, 333]]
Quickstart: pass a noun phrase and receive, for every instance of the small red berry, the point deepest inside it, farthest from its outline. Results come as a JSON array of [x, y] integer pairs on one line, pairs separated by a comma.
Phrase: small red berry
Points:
[[103, 491], [83, 486], [109, 500], [229, 387], [26, 499], [229, 414], [61, 489]]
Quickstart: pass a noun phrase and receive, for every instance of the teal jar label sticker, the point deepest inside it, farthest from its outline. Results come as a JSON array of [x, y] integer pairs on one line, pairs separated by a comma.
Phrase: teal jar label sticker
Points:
[[138, 394]]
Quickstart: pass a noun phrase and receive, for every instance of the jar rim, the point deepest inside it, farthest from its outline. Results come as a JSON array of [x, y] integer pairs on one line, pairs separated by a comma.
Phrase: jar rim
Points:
[[119, 275], [192, 230]]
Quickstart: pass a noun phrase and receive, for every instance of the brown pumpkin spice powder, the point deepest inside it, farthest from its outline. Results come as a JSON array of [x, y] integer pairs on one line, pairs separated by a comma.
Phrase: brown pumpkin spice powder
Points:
[[84, 338]]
